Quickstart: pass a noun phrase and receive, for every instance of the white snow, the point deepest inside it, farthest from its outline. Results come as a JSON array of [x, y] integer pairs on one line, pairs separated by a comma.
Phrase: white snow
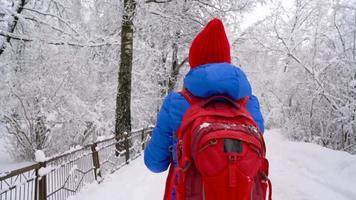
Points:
[[72, 170], [307, 171], [299, 171], [103, 137], [204, 125], [131, 182], [43, 171], [72, 149], [6, 163], [352, 83], [40, 156]]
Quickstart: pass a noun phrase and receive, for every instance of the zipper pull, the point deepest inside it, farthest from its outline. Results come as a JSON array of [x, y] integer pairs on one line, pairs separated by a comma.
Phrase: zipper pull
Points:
[[210, 143], [232, 171]]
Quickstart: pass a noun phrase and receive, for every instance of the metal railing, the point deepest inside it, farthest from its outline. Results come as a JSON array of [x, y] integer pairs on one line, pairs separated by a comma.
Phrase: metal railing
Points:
[[62, 176]]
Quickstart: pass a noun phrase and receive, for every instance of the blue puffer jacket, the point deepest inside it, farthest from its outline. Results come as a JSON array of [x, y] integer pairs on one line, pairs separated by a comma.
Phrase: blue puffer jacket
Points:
[[203, 81]]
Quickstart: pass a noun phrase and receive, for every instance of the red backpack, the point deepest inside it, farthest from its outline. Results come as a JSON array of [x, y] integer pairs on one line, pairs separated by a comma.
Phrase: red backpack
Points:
[[220, 153]]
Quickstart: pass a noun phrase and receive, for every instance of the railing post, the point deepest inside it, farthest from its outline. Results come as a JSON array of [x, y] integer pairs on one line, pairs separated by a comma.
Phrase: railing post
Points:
[[36, 183], [41, 184], [143, 138], [127, 147], [96, 163]]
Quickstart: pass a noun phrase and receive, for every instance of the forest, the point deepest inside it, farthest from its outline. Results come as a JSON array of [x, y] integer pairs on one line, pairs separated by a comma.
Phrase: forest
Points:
[[72, 72]]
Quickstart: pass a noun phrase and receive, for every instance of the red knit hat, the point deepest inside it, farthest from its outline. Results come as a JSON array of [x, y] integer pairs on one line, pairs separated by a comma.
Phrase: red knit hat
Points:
[[210, 45]]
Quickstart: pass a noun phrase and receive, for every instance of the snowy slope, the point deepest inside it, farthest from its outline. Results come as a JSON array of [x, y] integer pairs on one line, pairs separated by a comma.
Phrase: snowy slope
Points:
[[129, 183], [299, 171], [303, 171], [6, 163]]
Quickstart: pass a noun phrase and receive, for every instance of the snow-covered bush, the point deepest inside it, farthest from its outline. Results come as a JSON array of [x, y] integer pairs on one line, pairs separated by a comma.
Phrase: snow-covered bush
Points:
[[306, 64]]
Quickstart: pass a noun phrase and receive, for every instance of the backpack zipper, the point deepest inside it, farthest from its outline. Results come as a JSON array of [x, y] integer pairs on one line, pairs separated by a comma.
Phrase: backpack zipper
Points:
[[232, 171], [203, 191], [210, 143]]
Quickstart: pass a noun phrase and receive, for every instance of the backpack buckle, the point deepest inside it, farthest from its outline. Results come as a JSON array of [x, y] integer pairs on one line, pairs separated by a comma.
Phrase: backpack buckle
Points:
[[253, 130], [180, 145], [186, 166], [264, 176], [170, 148]]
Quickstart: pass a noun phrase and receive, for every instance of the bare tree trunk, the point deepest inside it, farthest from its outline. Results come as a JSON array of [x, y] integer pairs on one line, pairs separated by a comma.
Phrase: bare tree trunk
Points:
[[12, 26], [174, 71], [162, 79], [354, 43], [123, 99], [173, 77]]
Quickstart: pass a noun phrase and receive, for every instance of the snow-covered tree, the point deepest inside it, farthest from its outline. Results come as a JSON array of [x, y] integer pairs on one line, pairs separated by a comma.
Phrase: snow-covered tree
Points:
[[306, 70], [59, 64]]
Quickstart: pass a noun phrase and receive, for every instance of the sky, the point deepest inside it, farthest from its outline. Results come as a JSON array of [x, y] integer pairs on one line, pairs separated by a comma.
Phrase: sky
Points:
[[262, 11]]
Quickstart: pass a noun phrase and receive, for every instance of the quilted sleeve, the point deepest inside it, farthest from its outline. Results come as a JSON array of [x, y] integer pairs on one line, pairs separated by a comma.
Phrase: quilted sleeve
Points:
[[253, 106], [157, 155]]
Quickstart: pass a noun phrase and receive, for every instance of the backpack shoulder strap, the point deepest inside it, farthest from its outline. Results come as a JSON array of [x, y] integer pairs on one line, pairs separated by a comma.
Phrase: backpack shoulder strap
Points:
[[190, 97], [193, 99], [244, 101]]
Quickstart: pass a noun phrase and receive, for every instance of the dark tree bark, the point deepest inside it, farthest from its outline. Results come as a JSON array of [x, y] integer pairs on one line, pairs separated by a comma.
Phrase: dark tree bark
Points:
[[176, 66], [173, 77], [162, 80], [123, 99], [174, 71], [12, 26]]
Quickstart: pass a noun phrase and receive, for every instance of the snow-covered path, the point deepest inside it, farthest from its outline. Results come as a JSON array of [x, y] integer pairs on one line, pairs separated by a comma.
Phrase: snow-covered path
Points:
[[303, 171], [299, 171]]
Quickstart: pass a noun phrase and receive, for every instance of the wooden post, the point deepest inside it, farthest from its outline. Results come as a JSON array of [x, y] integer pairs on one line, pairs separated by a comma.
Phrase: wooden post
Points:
[[143, 138], [36, 184], [41, 183], [96, 162], [127, 147]]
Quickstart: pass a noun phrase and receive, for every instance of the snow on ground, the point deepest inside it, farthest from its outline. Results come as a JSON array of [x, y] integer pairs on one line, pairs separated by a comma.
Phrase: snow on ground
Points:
[[6, 163], [304, 171], [129, 183], [299, 171]]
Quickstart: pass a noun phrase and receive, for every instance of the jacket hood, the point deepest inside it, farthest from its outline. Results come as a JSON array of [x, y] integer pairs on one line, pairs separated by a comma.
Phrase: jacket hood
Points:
[[218, 79]]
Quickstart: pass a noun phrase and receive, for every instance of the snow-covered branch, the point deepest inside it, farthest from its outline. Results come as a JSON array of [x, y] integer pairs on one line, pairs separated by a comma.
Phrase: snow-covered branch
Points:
[[158, 1], [56, 17], [68, 43], [18, 8]]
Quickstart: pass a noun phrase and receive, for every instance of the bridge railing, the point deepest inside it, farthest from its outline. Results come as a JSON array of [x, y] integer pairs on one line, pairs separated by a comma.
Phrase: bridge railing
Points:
[[62, 176]]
